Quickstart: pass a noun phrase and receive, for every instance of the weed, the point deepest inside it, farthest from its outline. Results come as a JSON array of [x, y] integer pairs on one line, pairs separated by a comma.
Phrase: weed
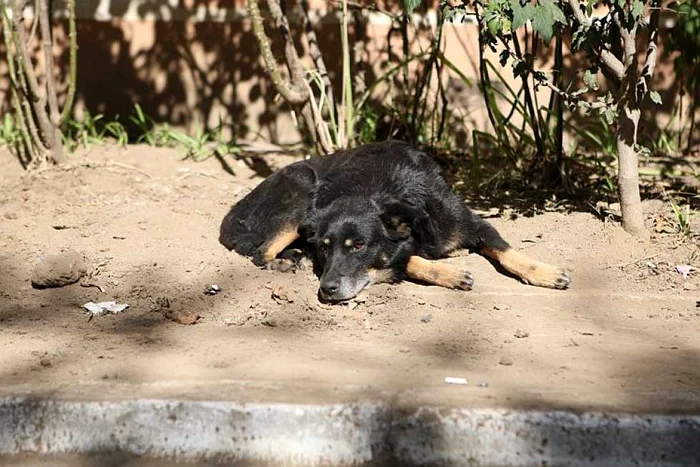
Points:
[[682, 218], [150, 133], [117, 131], [85, 132], [9, 132]]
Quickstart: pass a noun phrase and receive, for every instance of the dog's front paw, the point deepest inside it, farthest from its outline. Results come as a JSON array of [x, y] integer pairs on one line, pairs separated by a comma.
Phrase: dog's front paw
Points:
[[552, 277], [466, 281], [282, 265], [289, 260]]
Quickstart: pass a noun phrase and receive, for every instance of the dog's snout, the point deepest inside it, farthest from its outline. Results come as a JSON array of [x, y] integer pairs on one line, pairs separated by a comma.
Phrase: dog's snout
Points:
[[330, 288]]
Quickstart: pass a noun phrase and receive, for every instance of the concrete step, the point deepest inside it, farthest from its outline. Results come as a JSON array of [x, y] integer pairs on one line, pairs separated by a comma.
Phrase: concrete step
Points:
[[374, 432]]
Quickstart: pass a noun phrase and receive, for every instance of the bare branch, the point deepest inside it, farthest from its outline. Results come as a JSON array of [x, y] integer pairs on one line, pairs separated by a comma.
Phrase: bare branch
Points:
[[290, 93], [316, 55], [48, 57], [55, 138], [612, 63], [629, 38], [582, 19], [296, 69], [644, 83], [28, 80], [73, 63]]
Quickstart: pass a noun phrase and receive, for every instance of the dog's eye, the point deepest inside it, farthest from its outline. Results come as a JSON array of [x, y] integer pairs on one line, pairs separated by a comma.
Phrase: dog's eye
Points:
[[358, 245]]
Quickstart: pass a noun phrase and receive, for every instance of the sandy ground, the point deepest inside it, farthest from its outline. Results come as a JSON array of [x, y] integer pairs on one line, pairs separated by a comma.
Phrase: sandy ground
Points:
[[625, 337]]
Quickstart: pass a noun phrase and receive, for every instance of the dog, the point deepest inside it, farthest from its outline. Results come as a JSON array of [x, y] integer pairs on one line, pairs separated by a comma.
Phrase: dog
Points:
[[381, 212]]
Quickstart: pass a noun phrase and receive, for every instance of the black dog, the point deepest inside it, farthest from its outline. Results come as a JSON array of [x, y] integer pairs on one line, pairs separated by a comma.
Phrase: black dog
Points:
[[377, 213]]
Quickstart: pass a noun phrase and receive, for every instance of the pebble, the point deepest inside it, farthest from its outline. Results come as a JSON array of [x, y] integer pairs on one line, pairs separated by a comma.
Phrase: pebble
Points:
[[506, 361]]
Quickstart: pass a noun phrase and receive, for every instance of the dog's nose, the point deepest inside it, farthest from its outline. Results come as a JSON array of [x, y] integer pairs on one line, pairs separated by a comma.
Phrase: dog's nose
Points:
[[330, 288]]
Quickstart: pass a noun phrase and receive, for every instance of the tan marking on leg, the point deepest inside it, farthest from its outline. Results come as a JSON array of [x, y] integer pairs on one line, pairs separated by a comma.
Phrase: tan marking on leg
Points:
[[529, 270], [438, 273], [279, 242], [379, 276]]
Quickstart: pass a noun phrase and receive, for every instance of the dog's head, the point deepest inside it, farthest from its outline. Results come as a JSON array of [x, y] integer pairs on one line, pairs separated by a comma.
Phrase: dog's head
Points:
[[359, 242]]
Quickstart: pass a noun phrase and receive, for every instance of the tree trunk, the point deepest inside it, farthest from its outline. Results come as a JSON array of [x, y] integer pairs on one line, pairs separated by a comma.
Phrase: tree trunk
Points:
[[628, 173]]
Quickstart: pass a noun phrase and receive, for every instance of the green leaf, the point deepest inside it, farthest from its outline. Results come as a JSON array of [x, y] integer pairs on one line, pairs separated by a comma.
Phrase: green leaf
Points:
[[521, 14], [590, 80], [494, 25], [655, 97], [545, 15], [589, 7], [410, 5], [637, 9]]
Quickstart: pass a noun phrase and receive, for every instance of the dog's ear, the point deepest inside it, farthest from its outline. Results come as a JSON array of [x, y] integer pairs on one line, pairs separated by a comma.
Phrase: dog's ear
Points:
[[401, 220]]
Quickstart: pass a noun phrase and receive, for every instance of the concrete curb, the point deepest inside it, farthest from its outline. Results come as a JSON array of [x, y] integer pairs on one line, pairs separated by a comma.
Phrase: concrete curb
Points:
[[357, 433]]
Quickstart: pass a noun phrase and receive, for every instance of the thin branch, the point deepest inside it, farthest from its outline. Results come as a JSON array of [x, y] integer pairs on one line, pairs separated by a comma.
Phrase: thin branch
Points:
[[644, 83], [21, 44], [73, 64], [48, 57], [290, 93], [296, 70], [29, 80], [316, 55], [55, 138]]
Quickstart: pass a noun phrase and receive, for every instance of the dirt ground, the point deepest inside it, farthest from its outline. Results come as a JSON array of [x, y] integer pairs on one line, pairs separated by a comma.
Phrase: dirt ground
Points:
[[625, 337]]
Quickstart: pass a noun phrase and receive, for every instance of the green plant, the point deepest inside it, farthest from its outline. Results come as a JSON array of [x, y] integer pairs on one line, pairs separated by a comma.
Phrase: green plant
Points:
[[9, 131], [204, 144], [85, 132], [116, 130], [150, 133], [610, 44], [682, 218]]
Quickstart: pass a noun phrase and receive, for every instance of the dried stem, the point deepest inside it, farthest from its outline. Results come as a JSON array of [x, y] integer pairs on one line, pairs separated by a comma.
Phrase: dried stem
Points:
[[73, 64]]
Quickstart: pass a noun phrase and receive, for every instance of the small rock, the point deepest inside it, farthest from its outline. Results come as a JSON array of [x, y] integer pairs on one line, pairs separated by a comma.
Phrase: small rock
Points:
[[182, 317], [281, 296], [506, 361], [521, 334], [270, 322], [426, 318], [59, 270], [10, 216], [45, 362], [689, 286], [483, 384]]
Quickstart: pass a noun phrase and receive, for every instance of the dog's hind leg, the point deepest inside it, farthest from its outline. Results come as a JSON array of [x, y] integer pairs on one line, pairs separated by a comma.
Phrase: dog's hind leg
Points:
[[438, 273], [486, 240], [264, 223]]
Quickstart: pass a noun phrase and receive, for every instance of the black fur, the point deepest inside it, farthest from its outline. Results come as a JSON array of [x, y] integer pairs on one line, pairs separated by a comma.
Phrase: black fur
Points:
[[389, 200]]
